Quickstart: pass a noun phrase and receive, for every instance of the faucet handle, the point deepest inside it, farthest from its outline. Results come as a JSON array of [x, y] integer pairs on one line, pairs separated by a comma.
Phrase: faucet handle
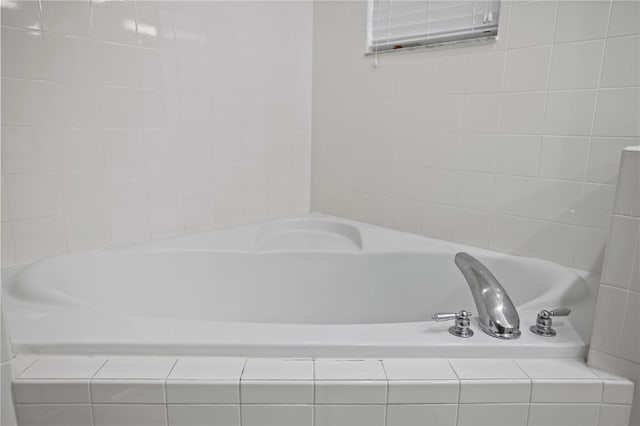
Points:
[[462, 326], [544, 322]]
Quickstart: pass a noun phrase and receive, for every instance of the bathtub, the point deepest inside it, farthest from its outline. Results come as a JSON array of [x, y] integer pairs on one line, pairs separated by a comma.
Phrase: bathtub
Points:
[[305, 287]]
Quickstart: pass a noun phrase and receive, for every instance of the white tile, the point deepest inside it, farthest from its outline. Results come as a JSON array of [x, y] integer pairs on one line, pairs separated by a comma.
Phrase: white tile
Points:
[[130, 224], [278, 369], [33, 195], [437, 221], [114, 21], [421, 415], [129, 414], [128, 186], [63, 367], [136, 367], [617, 391], [123, 148], [510, 234], [556, 369], [614, 415], [277, 415], [485, 72], [54, 414], [519, 155], [590, 248], [620, 251], [121, 106], [418, 369], [494, 391], [487, 369], [532, 24], [192, 34], [481, 113], [348, 370], [617, 113], [569, 113], [165, 184], [21, 14], [23, 53], [564, 414], [609, 315], [85, 191], [69, 59], [197, 415], [198, 214], [79, 149], [88, 230], [581, 20], [475, 191], [155, 27], [50, 391], [444, 113], [355, 415], [566, 390], [441, 186], [206, 368], [471, 227], [604, 160], [492, 414], [8, 414], [564, 157], [527, 69], [127, 391], [423, 391], [558, 200], [630, 343], [194, 109], [407, 215], [24, 96], [628, 191], [514, 195], [625, 18], [576, 66], [443, 150], [350, 392], [203, 391], [621, 58], [522, 112], [448, 75], [553, 241], [276, 392], [66, 17], [478, 153], [166, 219]]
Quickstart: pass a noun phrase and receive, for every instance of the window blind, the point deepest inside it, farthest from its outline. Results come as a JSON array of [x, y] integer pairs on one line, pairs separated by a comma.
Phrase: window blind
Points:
[[396, 24]]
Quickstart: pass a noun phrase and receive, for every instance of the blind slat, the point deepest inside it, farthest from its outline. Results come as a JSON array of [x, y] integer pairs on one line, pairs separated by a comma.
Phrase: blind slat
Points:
[[394, 23]]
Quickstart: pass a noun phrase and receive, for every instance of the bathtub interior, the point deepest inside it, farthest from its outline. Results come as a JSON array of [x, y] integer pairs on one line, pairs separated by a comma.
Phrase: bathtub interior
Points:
[[283, 275]]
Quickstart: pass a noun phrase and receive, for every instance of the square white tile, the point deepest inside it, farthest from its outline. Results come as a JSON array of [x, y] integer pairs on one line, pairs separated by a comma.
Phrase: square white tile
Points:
[[349, 370], [423, 391], [51, 391], [350, 392], [203, 392], [63, 367], [353, 415], [418, 369], [494, 391], [129, 414], [564, 414], [198, 415], [127, 391], [556, 369], [278, 369], [276, 392], [277, 415], [54, 414], [205, 368], [487, 369], [136, 367], [492, 414], [422, 415]]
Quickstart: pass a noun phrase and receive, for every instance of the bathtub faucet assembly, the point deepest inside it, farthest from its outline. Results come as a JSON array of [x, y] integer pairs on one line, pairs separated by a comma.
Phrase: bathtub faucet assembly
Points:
[[497, 315]]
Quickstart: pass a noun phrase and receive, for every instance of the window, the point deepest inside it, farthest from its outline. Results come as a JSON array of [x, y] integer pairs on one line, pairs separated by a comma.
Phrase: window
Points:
[[399, 24]]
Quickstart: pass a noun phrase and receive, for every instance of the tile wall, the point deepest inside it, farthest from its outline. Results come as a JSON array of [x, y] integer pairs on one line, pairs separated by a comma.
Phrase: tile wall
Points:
[[120, 391], [615, 343], [510, 145], [125, 121]]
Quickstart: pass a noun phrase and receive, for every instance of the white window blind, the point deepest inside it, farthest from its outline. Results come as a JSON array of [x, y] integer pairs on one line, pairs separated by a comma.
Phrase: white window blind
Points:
[[396, 24]]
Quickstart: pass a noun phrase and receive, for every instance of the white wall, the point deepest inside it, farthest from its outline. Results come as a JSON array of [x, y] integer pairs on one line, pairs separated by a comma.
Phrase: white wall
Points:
[[129, 121], [511, 145], [615, 344]]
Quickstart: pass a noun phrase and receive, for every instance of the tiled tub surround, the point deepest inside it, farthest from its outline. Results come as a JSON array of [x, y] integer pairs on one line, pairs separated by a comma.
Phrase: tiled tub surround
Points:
[[126, 121], [615, 345], [308, 287], [512, 145], [125, 391]]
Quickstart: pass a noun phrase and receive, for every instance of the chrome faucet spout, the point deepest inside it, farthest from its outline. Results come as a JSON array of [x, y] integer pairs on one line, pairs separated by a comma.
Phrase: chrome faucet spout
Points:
[[497, 315]]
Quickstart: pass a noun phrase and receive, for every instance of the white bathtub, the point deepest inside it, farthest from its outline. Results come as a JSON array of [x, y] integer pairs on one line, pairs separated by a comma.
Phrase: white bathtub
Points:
[[310, 287]]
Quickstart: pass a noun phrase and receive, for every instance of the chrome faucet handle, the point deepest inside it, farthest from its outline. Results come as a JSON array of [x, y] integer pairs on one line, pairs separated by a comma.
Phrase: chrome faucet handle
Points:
[[462, 326], [544, 322]]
